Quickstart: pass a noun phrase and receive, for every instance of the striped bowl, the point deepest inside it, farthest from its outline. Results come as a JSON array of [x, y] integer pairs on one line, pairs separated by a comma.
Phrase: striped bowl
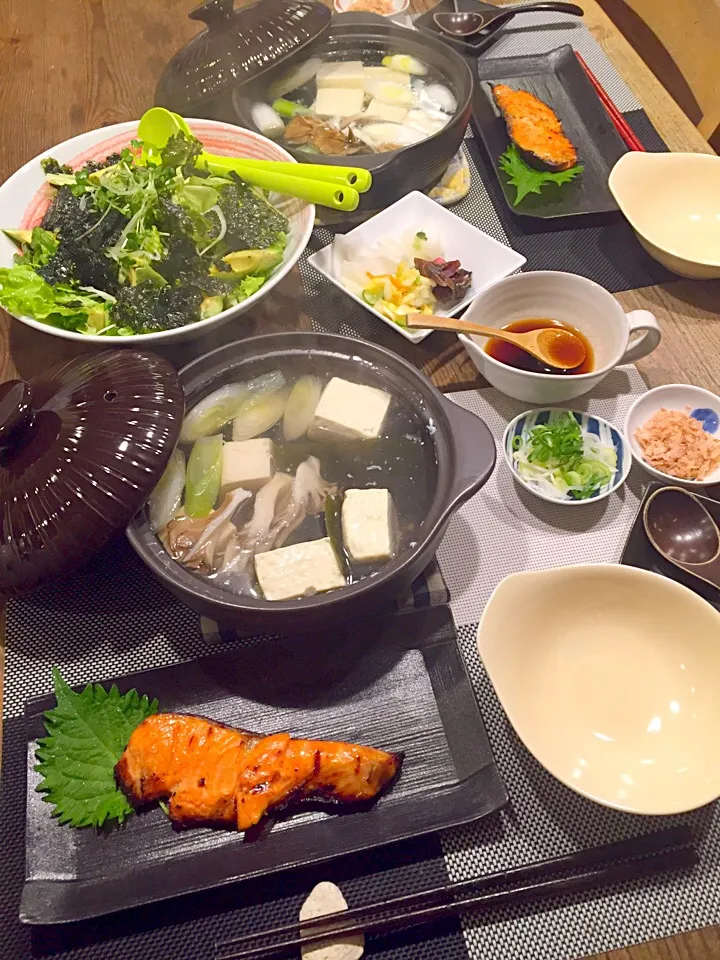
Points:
[[25, 197], [523, 424]]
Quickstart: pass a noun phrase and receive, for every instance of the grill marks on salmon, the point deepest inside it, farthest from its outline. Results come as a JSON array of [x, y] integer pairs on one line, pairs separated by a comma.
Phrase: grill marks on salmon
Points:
[[535, 129], [212, 773]]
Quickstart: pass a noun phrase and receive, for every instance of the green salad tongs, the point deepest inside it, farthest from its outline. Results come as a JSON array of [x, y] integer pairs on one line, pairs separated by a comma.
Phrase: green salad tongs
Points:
[[328, 186]]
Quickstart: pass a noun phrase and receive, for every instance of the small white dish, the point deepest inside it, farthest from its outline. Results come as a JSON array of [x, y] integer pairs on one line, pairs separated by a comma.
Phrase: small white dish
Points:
[[524, 423], [398, 7], [608, 674], [672, 202], [674, 396], [487, 259]]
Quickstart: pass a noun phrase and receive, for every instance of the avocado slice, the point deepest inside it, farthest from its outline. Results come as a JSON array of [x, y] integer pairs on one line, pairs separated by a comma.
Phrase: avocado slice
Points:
[[244, 262], [211, 306], [20, 237]]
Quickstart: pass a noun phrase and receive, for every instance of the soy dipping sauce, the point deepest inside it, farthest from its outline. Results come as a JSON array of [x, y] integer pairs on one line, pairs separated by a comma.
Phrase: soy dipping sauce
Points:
[[513, 356]]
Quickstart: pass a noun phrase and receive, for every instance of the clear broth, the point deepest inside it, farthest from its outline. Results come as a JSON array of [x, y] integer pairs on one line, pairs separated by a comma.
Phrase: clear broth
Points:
[[513, 356], [402, 460]]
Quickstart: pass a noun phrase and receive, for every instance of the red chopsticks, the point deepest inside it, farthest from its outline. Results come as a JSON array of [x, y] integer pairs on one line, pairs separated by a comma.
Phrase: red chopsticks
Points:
[[618, 120]]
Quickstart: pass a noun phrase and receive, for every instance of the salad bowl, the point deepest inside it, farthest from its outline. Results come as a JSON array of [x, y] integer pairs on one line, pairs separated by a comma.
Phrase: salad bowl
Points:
[[25, 197]]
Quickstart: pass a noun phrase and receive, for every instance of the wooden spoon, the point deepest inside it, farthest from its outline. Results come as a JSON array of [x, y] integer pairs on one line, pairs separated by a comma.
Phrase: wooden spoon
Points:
[[552, 346]]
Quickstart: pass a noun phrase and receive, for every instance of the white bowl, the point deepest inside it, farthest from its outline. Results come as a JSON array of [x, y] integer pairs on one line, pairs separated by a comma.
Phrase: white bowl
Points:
[[672, 202], [568, 298], [25, 196], [523, 424], [672, 396], [609, 676], [488, 259], [398, 7]]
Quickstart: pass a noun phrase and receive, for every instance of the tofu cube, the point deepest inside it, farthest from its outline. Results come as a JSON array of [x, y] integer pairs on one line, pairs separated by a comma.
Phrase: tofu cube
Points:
[[349, 76], [339, 102], [386, 111], [299, 571], [369, 525], [373, 74], [395, 94], [247, 463], [349, 411]]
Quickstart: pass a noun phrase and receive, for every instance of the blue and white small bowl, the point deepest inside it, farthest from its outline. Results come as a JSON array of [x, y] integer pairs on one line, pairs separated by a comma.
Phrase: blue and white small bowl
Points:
[[701, 404], [523, 424]]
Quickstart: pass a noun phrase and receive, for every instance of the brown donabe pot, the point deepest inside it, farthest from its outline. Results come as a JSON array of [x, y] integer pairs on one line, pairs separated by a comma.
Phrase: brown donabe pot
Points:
[[465, 454]]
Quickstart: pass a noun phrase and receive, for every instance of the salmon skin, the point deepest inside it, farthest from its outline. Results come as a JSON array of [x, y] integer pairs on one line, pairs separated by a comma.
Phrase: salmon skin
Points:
[[212, 773], [534, 129]]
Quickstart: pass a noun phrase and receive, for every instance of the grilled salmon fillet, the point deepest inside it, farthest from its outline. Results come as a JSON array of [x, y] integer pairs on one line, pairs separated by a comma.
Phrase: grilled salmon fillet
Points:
[[535, 129], [209, 772]]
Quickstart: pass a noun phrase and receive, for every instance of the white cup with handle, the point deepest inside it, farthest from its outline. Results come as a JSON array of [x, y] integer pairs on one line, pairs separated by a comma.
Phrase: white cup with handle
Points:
[[616, 337]]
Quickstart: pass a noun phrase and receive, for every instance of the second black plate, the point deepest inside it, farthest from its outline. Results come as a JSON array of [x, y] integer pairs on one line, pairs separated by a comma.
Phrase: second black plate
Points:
[[557, 79], [398, 684], [639, 552]]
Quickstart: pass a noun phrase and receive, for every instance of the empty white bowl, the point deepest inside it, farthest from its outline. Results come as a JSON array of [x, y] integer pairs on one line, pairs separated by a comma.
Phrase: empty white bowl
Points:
[[674, 396], [478, 252], [609, 675], [524, 423], [672, 202]]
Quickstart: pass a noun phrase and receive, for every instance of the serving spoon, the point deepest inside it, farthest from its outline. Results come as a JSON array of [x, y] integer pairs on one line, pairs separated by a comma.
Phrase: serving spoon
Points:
[[329, 187], [467, 23], [682, 530], [552, 346]]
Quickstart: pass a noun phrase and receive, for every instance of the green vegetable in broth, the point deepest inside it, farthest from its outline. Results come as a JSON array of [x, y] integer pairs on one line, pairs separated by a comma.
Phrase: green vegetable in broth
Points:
[[259, 413], [301, 405], [211, 413], [202, 479]]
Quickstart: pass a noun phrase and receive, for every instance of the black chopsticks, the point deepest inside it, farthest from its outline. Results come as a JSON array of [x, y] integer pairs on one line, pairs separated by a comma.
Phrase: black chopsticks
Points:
[[634, 859]]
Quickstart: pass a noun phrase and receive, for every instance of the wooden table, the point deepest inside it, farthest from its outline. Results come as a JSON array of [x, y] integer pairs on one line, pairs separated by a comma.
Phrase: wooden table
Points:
[[71, 65]]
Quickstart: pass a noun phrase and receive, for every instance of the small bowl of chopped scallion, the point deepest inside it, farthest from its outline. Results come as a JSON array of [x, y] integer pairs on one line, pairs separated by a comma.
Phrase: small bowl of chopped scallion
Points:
[[566, 457]]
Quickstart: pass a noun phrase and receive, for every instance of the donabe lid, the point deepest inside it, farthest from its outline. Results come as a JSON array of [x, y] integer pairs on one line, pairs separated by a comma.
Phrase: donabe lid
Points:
[[238, 46], [81, 448]]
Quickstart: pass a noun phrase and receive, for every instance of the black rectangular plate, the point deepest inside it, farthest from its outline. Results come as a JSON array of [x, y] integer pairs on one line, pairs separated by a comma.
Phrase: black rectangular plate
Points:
[[557, 79], [398, 684], [639, 552]]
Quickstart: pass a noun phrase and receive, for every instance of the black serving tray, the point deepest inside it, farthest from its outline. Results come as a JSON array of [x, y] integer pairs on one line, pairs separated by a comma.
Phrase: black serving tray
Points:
[[639, 552], [558, 79], [399, 684]]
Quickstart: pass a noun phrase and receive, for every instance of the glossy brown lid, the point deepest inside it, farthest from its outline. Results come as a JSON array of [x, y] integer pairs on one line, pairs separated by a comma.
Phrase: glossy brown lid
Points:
[[237, 46], [81, 448]]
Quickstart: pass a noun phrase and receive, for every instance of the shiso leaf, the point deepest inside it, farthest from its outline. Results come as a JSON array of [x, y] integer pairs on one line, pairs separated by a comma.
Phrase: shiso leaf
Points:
[[526, 179], [87, 733]]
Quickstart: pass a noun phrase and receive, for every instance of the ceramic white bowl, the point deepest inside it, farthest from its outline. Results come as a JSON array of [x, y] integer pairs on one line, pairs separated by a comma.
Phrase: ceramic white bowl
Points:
[[674, 396], [398, 7], [524, 423], [609, 676], [571, 299], [672, 202], [25, 197], [488, 259]]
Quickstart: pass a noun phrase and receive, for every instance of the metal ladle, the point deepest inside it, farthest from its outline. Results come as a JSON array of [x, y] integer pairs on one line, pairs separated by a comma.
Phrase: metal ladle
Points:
[[682, 530], [467, 23]]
